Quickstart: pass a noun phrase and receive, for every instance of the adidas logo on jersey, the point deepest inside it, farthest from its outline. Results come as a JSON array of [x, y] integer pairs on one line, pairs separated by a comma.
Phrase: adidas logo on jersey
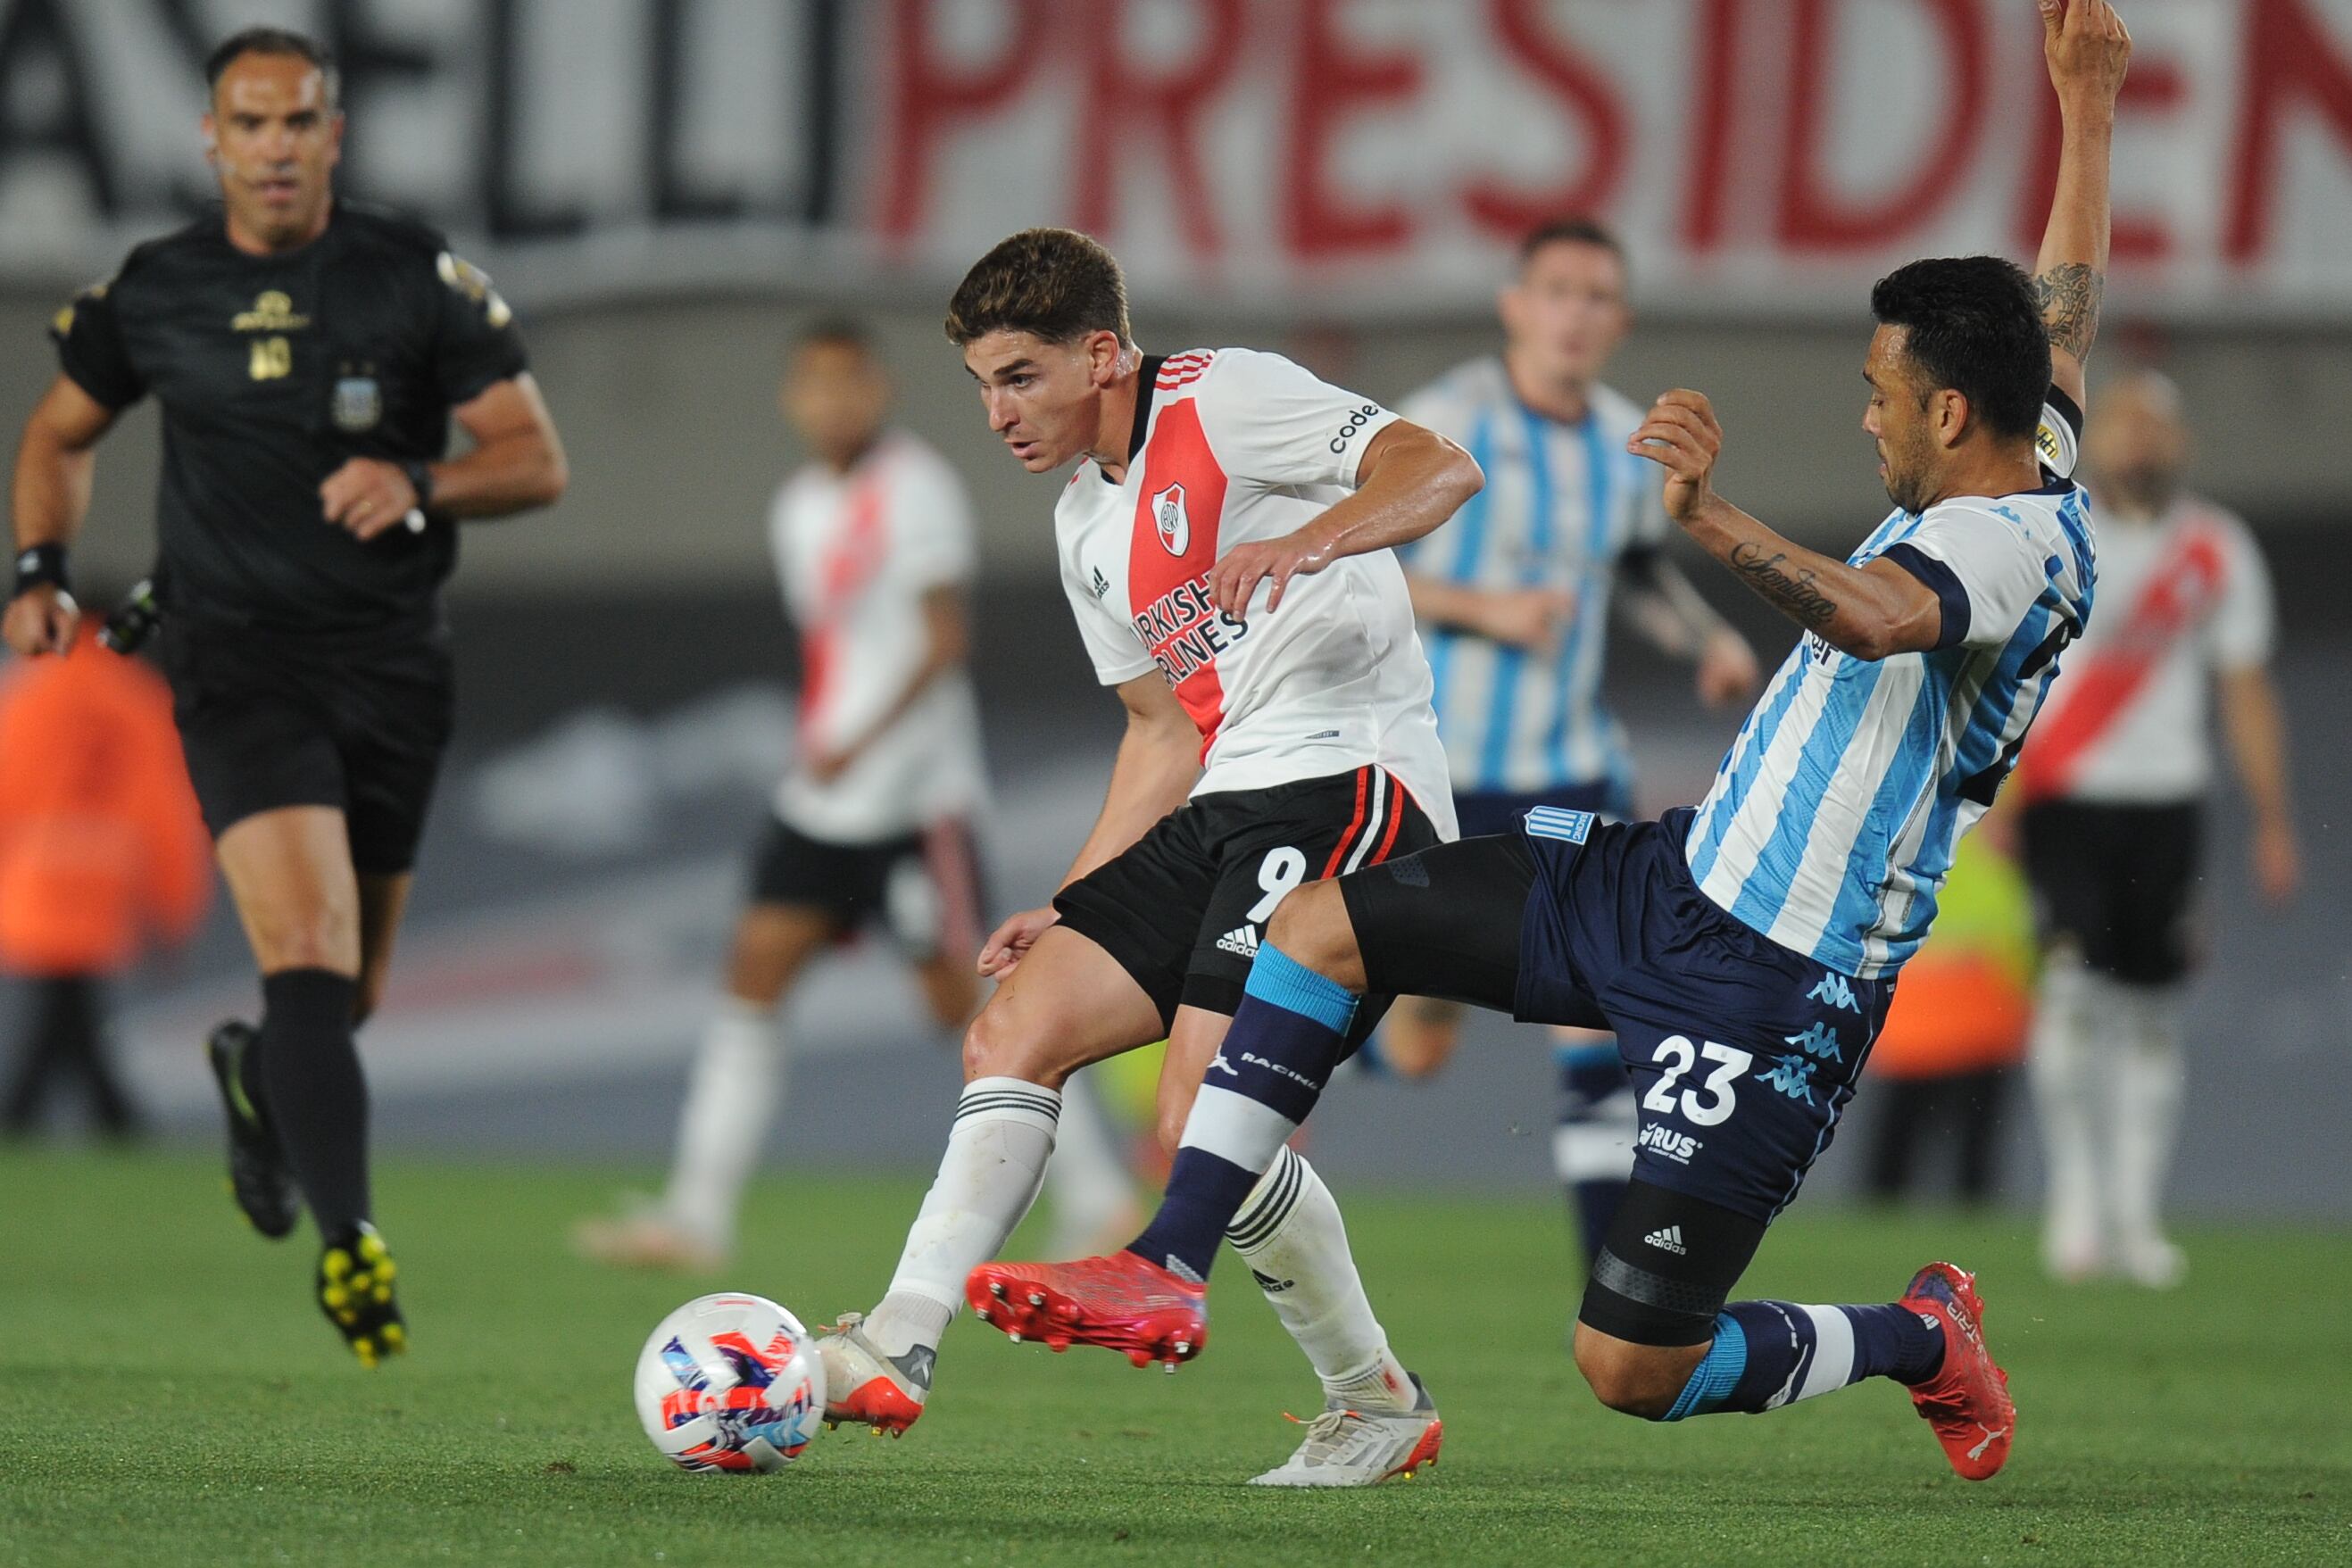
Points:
[[1101, 583], [1670, 1240], [1241, 941]]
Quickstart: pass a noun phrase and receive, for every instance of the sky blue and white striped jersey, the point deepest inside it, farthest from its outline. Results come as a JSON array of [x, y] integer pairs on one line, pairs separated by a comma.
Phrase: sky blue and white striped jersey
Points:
[[1562, 504], [1832, 818]]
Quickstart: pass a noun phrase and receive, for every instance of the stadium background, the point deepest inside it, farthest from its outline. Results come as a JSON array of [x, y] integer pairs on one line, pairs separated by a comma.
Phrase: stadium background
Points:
[[666, 188]]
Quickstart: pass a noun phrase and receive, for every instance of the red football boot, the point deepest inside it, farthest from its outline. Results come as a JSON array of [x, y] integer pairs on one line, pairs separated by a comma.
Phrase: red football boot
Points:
[[1967, 1402], [1122, 1302]]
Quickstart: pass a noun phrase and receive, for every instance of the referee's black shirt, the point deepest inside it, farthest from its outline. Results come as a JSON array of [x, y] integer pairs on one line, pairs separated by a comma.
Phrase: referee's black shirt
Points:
[[272, 371]]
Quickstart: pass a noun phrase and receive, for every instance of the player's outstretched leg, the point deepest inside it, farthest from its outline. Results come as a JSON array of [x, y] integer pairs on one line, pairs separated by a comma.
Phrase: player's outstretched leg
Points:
[[1067, 1003], [878, 1366], [1655, 1339], [1148, 1302], [258, 1176]]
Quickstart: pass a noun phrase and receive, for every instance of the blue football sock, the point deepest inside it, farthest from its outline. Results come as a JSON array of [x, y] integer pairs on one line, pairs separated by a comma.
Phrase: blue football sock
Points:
[[1770, 1353], [1286, 1039]]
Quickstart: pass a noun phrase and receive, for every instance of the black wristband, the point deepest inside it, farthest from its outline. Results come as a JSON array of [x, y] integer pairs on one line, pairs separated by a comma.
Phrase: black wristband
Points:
[[420, 480], [38, 564]]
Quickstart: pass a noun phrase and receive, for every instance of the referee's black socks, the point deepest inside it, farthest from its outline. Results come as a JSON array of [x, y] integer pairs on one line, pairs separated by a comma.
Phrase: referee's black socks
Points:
[[317, 1096]]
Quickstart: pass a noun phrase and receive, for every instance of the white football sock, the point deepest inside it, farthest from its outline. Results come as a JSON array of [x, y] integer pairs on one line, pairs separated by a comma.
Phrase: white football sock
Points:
[[1087, 1181], [2149, 1076], [1290, 1233], [2070, 1096], [737, 1083], [996, 1154]]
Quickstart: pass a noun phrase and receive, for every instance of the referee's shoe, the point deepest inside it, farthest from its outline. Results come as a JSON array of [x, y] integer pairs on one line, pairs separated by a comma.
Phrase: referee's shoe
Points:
[[355, 1275], [258, 1176]]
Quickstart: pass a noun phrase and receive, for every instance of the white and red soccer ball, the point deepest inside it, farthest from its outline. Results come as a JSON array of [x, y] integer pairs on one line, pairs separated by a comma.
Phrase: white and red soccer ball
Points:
[[730, 1382]]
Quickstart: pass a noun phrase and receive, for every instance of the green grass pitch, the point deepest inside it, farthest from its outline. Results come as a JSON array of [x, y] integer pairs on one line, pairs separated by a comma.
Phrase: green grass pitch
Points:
[[168, 1395]]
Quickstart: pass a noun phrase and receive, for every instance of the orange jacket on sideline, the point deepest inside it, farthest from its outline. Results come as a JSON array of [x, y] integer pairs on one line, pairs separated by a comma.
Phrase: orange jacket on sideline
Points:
[[1966, 1000], [100, 843]]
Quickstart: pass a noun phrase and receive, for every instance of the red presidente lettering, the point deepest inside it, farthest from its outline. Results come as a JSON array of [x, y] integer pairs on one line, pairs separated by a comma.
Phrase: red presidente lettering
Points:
[[2291, 61], [928, 94], [1327, 84], [1811, 216], [2154, 87], [1720, 26], [1123, 103], [1586, 93]]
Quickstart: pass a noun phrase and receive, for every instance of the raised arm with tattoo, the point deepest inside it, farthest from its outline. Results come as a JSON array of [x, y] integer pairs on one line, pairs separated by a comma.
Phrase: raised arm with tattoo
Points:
[[2087, 49], [1869, 612]]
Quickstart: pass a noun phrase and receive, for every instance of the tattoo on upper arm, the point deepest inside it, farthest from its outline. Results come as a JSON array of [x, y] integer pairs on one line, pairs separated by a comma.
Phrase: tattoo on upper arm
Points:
[[1799, 595], [2068, 295]]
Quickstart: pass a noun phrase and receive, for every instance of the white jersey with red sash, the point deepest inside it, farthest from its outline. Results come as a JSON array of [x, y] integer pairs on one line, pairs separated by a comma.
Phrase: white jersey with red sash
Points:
[[2181, 596], [1233, 446], [856, 553]]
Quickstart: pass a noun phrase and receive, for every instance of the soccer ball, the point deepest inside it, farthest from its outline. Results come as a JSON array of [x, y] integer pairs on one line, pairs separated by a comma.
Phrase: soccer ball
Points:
[[730, 1383]]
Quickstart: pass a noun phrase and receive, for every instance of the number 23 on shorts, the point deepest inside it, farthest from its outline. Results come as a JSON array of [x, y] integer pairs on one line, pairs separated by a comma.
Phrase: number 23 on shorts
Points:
[[1715, 1097]]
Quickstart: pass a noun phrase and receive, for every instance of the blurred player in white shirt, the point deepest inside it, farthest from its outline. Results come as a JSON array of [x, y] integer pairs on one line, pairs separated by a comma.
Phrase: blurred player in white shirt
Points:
[[873, 544], [1514, 597], [2114, 783]]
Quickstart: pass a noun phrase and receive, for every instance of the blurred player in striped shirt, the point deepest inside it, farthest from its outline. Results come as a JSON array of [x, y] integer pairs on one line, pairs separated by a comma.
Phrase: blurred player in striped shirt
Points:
[[2114, 783], [1514, 597]]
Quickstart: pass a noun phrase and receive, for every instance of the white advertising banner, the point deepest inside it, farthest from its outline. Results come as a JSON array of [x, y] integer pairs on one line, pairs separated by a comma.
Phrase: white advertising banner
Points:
[[1762, 157]]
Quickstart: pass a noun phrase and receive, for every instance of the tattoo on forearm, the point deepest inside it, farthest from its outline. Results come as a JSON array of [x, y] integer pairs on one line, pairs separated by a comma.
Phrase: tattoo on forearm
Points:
[[2068, 295], [1797, 596]]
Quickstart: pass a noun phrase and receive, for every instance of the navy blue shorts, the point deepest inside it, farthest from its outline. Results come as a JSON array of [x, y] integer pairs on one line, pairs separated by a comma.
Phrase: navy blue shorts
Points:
[[1484, 812], [1742, 1053]]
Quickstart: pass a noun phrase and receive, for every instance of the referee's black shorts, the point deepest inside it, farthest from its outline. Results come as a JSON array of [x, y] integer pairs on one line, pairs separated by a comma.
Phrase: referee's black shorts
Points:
[[269, 721]]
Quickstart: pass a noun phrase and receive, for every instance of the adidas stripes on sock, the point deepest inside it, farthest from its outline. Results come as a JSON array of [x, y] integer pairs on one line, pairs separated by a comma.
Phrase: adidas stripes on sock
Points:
[[1291, 1234], [1770, 1353], [1287, 1037]]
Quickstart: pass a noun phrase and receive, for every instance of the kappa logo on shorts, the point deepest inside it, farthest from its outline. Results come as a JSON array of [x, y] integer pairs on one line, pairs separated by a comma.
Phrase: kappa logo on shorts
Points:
[[1241, 942], [1668, 1145], [1670, 1240], [1834, 991], [1222, 1065], [1819, 1041], [1791, 1074]]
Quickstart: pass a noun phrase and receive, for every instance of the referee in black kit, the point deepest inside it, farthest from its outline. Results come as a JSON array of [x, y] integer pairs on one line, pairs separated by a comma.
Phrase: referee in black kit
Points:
[[308, 355]]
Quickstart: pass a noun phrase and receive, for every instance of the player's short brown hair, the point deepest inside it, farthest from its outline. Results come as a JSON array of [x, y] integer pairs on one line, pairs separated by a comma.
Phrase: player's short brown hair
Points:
[[1571, 231], [1056, 284]]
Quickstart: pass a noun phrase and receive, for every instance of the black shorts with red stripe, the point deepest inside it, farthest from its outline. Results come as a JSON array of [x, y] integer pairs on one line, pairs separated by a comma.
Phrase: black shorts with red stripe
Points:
[[1183, 909]]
